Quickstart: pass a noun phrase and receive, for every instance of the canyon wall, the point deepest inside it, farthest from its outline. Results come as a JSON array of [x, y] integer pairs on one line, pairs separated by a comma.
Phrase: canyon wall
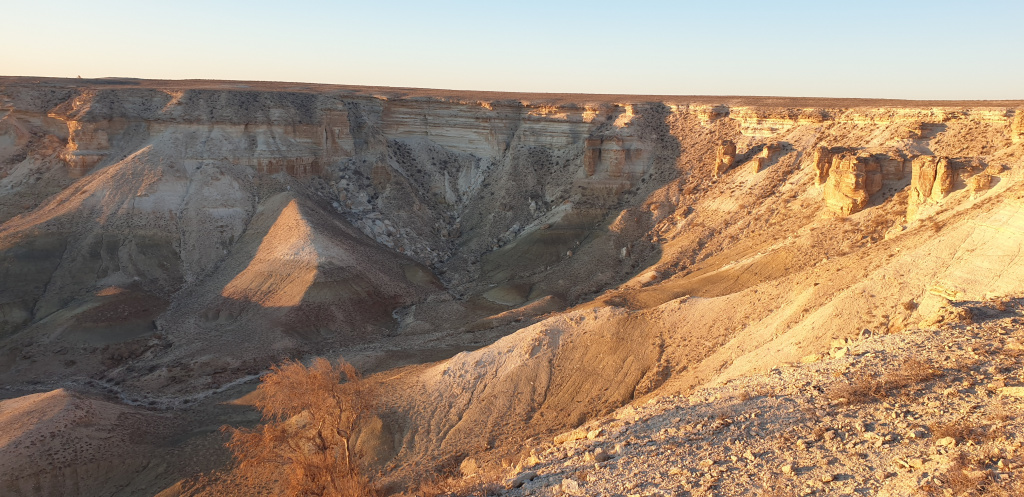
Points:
[[179, 237]]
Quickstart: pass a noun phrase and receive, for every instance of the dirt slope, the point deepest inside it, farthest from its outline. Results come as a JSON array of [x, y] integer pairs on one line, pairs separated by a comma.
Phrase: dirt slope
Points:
[[924, 412]]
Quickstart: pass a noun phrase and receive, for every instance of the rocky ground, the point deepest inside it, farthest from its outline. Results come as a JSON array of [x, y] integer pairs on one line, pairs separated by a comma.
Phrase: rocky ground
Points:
[[922, 412]]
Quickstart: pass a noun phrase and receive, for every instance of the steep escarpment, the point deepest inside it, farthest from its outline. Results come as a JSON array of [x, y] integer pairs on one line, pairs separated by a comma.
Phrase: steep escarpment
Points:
[[164, 242]]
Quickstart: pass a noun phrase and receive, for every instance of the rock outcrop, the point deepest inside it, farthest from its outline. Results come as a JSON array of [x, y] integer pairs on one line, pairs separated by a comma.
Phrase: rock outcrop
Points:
[[768, 153], [852, 179], [726, 156], [1017, 128], [931, 180], [822, 161]]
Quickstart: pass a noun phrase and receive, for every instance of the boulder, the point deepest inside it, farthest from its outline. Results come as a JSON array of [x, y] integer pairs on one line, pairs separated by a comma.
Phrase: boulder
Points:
[[979, 182]]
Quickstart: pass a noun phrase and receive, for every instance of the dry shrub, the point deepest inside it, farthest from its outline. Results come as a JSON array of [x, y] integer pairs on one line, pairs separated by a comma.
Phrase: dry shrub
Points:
[[959, 429], [963, 478], [309, 414], [999, 413], [867, 386]]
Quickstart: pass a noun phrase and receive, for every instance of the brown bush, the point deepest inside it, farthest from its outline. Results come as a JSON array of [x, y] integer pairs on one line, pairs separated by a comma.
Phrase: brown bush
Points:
[[309, 414], [866, 386], [963, 478], [959, 429]]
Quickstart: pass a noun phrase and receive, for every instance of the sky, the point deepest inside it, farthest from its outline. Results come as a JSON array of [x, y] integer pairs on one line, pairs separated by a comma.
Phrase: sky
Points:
[[893, 49]]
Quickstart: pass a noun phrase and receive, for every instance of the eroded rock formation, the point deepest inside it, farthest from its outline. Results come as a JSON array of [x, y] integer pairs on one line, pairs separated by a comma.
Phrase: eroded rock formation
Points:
[[768, 152], [726, 156], [852, 179], [931, 181]]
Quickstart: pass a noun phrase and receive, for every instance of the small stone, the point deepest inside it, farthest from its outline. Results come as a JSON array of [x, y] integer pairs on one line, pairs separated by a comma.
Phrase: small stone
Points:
[[593, 434], [571, 436], [787, 469], [522, 478], [601, 456], [571, 487], [827, 478], [674, 471], [946, 441], [749, 456]]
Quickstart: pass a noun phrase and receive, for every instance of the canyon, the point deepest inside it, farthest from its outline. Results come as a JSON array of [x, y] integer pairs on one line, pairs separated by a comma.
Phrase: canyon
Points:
[[502, 267]]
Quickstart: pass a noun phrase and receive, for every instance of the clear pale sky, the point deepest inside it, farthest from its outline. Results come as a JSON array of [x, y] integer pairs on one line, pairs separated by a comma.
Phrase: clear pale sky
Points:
[[893, 49]]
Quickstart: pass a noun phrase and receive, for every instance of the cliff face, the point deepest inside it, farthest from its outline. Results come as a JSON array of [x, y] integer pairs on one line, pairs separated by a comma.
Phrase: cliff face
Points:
[[178, 237], [168, 190]]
